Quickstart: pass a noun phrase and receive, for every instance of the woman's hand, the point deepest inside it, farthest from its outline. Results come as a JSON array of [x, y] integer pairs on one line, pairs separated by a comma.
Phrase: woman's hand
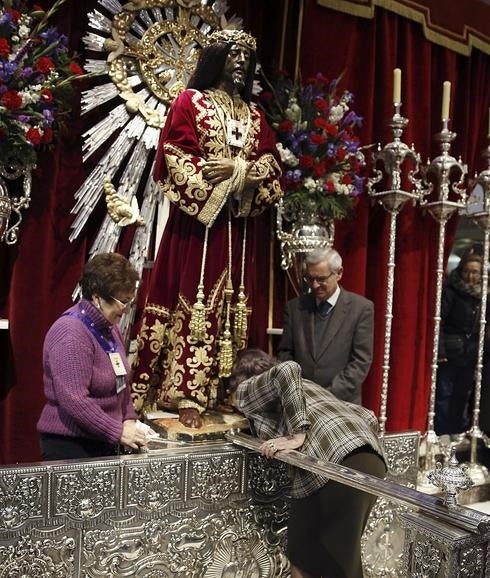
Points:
[[272, 446], [131, 436], [218, 170]]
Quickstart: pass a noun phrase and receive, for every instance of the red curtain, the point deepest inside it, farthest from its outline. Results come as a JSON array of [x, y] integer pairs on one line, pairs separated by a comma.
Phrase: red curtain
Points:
[[39, 274]]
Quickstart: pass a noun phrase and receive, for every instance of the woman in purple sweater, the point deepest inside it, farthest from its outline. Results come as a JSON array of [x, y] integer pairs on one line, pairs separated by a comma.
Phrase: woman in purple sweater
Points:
[[89, 412]]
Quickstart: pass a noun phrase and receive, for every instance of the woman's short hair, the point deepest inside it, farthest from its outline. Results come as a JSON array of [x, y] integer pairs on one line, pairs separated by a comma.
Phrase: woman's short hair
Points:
[[108, 275], [248, 363]]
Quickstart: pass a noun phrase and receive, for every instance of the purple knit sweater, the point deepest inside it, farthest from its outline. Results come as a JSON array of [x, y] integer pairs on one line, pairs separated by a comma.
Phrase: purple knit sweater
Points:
[[79, 381]]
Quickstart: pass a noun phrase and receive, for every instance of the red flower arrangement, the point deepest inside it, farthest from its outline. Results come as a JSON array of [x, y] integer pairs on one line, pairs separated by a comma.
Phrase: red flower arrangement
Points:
[[316, 134], [36, 76]]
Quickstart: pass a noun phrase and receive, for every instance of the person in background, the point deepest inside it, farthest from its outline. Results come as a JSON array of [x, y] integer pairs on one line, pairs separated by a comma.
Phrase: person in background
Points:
[[88, 411], [288, 412], [329, 331], [458, 345], [218, 165]]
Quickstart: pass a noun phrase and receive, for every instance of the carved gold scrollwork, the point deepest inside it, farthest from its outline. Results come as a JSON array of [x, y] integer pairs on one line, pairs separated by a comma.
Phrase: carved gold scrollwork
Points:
[[165, 55]]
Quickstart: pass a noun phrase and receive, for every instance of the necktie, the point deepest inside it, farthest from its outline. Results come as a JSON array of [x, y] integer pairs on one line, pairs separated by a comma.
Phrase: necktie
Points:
[[323, 308]]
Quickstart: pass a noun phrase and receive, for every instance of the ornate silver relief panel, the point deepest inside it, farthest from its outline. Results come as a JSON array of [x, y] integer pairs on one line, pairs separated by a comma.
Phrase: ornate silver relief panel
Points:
[[85, 492], [383, 539], [39, 554], [434, 549], [215, 479], [175, 513], [155, 485], [402, 454], [193, 513], [22, 495]]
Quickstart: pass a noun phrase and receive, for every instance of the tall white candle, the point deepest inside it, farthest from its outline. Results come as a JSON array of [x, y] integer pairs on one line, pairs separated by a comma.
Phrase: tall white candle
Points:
[[397, 85], [446, 97]]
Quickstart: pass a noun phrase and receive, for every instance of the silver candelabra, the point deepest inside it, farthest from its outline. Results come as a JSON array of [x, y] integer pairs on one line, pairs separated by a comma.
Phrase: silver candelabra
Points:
[[392, 157], [443, 175], [478, 472]]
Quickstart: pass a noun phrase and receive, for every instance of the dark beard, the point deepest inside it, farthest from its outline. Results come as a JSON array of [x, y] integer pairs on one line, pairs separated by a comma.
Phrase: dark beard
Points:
[[238, 81]]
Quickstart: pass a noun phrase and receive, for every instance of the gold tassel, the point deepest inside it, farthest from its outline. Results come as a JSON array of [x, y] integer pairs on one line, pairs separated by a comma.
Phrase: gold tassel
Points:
[[225, 355], [241, 320], [197, 324]]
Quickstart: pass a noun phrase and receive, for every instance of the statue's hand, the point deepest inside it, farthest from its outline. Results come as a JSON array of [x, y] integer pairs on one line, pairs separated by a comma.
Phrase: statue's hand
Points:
[[218, 170]]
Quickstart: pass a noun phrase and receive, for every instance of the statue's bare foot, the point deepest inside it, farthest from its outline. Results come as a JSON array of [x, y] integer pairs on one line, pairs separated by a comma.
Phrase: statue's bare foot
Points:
[[190, 417]]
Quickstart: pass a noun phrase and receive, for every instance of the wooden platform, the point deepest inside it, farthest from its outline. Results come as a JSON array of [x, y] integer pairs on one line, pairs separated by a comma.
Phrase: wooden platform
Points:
[[215, 425]]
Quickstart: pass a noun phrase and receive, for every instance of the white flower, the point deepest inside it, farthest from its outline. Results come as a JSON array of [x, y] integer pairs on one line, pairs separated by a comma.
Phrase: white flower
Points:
[[293, 111], [287, 157], [339, 187], [51, 79], [337, 112], [309, 184], [31, 95], [24, 31], [313, 185]]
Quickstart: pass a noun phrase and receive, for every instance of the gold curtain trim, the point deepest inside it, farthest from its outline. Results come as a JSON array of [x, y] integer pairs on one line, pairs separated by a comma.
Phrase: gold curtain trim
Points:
[[420, 14]]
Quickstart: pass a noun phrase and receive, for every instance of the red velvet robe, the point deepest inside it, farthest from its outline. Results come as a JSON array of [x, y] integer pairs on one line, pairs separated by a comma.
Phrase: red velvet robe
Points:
[[173, 369]]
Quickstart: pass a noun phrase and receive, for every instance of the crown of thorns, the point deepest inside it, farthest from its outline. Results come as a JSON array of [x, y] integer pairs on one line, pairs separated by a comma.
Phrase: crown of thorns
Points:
[[235, 36]]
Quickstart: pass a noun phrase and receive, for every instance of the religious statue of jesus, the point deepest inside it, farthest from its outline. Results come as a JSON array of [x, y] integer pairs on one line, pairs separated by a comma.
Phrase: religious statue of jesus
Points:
[[218, 165]]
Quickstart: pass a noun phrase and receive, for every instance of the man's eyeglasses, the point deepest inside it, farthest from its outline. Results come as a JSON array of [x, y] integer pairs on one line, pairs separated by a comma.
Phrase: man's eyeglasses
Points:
[[320, 280], [124, 304]]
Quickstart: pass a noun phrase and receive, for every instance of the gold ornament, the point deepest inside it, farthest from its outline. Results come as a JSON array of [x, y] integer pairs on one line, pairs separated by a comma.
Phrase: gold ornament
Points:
[[197, 324], [241, 312], [233, 36], [120, 210], [225, 355]]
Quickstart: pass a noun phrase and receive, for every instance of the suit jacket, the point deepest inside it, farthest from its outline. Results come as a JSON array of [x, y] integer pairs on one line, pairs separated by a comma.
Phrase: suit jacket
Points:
[[340, 358]]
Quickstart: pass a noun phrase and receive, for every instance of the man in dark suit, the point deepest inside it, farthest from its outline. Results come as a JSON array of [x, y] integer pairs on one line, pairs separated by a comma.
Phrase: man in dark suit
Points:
[[329, 331]]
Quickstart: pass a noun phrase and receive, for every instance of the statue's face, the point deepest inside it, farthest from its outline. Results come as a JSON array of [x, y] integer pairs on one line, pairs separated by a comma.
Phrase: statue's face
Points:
[[236, 66]]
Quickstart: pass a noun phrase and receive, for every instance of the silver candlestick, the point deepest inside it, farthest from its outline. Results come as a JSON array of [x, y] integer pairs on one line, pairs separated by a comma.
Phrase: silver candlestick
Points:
[[478, 472], [443, 175], [392, 156]]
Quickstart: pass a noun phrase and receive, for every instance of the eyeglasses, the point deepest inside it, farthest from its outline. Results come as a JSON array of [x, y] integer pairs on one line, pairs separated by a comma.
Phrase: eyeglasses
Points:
[[470, 272], [124, 304], [320, 280]]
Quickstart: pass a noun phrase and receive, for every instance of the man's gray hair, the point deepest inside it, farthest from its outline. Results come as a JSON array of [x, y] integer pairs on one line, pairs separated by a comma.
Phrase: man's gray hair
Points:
[[330, 256]]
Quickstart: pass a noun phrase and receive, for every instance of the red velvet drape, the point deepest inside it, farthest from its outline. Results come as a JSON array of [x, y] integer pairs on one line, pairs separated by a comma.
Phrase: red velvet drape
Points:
[[38, 276]]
